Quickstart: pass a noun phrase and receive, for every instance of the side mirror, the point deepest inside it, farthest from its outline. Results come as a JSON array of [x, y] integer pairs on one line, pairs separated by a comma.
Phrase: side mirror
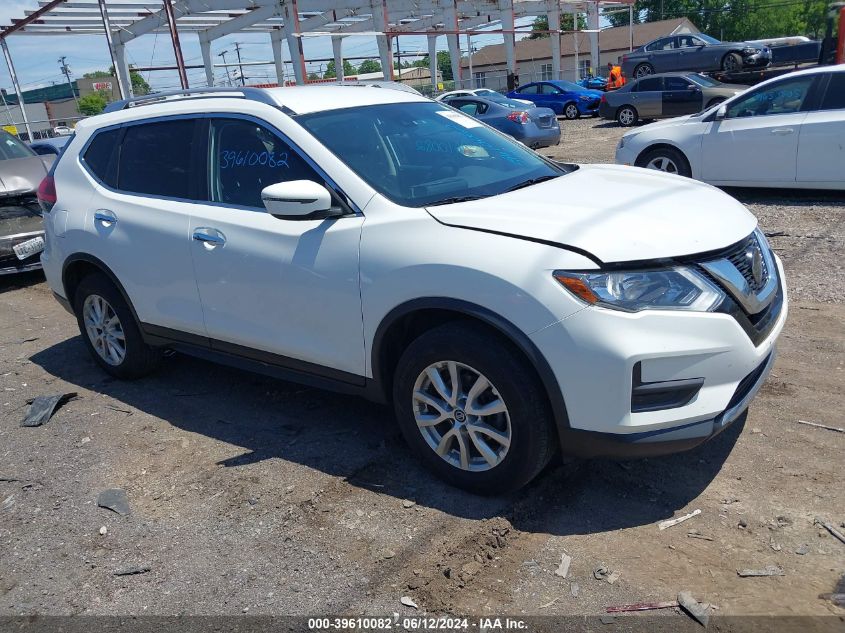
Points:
[[297, 200], [721, 113]]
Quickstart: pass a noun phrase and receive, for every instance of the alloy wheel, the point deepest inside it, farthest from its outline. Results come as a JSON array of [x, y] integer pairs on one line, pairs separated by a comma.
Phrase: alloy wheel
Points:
[[626, 116], [104, 329], [461, 416], [571, 111], [663, 163], [642, 71]]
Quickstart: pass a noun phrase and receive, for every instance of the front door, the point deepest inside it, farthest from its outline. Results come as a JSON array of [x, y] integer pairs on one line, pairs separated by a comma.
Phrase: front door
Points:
[[278, 290], [680, 96], [757, 140]]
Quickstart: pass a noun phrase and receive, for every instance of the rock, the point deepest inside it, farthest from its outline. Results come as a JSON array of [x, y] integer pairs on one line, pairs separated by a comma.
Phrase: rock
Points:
[[742, 523], [563, 568], [103, 531], [447, 572], [114, 499], [470, 569], [252, 501], [775, 545], [408, 602], [613, 577], [574, 589], [802, 549], [407, 503], [416, 583], [607, 619], [692, 606], [386, 554]]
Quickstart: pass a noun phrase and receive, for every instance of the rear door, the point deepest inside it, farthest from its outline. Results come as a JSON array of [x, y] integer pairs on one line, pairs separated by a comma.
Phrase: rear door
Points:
[[821, 143], [662, 55], [757, 140], [647, 97], [137, 220], [680, 96]]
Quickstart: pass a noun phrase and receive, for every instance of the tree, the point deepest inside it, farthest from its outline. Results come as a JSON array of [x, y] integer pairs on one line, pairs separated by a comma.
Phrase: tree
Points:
[[444, 65], [541, 23], [139, 86], [369, 66], [92, 103], [735, 20], [348, 70]]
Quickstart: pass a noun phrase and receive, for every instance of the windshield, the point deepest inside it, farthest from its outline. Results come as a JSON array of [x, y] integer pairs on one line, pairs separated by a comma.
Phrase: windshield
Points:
[[568, 85], [707, 38], [703, 80], [10, 147], [423, 153]]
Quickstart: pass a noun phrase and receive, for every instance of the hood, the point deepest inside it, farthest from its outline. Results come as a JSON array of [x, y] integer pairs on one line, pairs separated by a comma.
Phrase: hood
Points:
[[656, 125], [592, 93], [19, 176], [638, 214]]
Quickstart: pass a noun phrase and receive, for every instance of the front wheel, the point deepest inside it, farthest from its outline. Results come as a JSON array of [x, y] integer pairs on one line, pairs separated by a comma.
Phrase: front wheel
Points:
[[570, 111], [665, 159], [626, 116], [472, 410], [731, 62]]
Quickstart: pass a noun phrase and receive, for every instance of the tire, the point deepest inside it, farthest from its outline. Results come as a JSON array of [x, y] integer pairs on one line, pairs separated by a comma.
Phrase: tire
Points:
[[570, 111], [627, 116], [526, 419], [666, 159], [713, 102], [732, 62], [642, 70], [95, 295]]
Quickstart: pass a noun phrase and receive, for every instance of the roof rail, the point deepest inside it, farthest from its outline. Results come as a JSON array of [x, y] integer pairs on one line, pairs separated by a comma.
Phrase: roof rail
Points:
[[244, 92]]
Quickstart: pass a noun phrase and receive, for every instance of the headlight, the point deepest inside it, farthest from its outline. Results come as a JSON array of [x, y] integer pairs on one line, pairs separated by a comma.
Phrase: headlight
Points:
[[621, 143], [634, 290], [584, 97], [750, 51]]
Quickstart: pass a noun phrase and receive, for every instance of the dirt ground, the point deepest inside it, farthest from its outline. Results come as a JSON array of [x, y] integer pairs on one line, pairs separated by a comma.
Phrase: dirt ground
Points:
[[250, 495]]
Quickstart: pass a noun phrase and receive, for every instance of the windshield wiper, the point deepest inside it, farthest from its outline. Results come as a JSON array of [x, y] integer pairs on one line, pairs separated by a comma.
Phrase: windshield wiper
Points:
[[454, 199], [531, 181]]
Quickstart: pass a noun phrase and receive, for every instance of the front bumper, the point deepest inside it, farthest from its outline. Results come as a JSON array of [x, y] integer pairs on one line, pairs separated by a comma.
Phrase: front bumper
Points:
[[757, 60], [594, 352]]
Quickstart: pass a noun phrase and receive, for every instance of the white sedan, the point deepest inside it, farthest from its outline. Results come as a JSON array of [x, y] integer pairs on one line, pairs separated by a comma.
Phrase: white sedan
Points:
[[785, 132], [478, 92]]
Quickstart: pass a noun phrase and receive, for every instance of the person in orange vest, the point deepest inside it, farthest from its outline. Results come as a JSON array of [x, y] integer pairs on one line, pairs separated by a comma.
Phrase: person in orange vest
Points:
[[615, 79]]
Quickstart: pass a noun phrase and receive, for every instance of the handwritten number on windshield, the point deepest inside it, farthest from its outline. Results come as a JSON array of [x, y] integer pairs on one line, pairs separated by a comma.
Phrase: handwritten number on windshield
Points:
[[234, 158]]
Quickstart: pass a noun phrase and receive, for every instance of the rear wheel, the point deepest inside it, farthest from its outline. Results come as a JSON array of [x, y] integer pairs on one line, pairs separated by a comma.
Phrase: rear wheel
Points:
[[110, 331], [472, 410], [731, 62], [665, 159], [642, 70], [570, 111], [627, 116]]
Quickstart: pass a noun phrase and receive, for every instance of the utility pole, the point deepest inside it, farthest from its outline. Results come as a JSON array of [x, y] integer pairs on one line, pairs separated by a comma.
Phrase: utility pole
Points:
[[66, 72], [225, 67], [240, 68], [469, 57]]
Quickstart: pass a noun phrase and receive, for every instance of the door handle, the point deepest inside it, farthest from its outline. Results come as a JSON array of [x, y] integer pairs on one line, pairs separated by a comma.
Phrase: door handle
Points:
[[209, 237], [105, 217], [782, 131]]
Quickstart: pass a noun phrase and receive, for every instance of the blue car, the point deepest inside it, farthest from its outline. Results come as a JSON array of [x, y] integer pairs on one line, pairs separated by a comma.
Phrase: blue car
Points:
[[564, 97]]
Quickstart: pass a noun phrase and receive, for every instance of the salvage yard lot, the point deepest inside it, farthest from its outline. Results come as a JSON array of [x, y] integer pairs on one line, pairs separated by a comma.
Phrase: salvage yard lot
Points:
[[250, 495]]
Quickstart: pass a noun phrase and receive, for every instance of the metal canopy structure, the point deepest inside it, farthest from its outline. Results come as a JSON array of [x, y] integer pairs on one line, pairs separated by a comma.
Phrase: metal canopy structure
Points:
[[292, 20]]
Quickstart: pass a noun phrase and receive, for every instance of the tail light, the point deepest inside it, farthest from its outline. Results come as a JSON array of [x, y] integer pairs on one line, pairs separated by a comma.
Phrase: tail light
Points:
[[518, 117], [47, 193]]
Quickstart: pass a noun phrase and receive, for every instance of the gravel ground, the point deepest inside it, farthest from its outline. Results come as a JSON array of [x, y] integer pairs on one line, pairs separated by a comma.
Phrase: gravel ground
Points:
[[250, 495]]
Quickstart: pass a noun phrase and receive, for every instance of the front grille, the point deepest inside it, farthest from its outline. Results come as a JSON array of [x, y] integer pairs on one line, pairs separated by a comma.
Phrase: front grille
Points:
[[740, 259]]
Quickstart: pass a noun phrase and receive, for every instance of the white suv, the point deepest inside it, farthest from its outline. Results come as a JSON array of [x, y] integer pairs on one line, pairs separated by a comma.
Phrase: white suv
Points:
[[379, 243]]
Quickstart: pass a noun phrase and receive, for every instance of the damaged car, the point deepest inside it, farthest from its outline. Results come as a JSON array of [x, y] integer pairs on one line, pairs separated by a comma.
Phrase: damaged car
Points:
[[21, 225]]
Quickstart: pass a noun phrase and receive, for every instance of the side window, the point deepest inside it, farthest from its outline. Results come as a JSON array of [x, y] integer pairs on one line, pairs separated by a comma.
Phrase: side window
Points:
[[529, 90], [649, 84], [663, 44], [155, 159], [834, 97], [784, 97], [676, 83], [686, 41], [549, 89], [100, 156], [246, 157], [470, 107]]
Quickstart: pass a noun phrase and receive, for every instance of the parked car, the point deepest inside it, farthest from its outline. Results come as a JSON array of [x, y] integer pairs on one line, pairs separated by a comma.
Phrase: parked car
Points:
[[693, 51], [21, 227], [564, 97], [663, 96], [593, 83], [785, 132], [533, 126], [479, 92], [49, 146], [502, 307], [62, 130]]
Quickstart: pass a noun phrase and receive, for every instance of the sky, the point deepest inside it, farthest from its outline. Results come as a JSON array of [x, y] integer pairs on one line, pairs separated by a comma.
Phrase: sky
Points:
[[36, 57]]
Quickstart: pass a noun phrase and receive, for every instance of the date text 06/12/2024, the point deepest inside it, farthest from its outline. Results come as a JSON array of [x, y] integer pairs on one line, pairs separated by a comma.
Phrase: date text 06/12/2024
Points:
[[416, 623]]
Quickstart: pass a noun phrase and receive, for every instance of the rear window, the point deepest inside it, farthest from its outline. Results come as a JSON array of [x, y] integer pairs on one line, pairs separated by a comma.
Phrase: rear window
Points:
[[11, 147], [834, 96], [99, 157], [155, 159]]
